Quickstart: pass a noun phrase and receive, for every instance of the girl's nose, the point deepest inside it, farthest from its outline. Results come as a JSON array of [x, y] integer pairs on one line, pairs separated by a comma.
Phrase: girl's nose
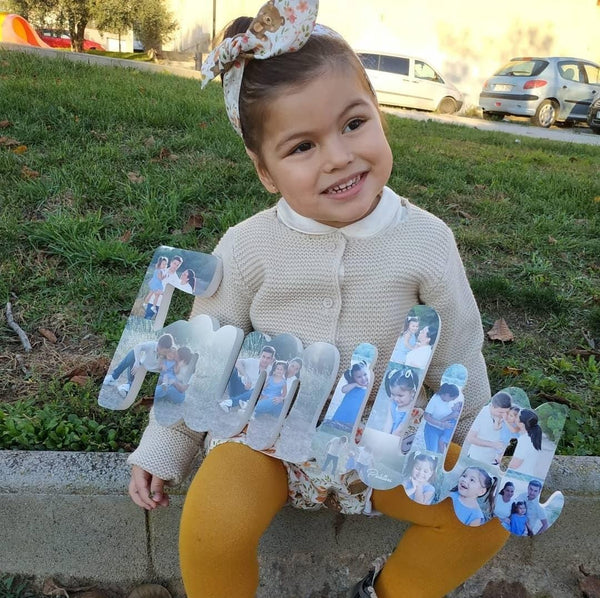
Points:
[[337, 154]]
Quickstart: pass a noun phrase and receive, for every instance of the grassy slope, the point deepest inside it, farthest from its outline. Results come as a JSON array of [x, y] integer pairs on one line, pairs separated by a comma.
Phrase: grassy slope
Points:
[[99, 166]]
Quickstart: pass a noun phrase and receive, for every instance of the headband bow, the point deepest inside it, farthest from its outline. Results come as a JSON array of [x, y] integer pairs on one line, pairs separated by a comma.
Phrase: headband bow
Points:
[[280, 26]]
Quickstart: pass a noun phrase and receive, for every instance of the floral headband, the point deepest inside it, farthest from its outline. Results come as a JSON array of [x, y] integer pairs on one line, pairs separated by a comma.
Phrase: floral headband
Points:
[[280, 26]]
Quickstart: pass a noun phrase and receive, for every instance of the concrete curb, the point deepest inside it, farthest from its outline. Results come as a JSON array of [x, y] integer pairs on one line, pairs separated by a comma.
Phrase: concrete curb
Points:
[[67, 516]]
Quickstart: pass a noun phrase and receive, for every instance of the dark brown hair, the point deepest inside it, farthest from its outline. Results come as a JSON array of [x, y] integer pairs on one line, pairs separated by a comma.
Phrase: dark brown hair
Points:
[[265, 79]]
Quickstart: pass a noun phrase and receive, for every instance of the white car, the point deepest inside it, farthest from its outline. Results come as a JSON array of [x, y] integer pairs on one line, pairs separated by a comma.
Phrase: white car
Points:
[[410, 82]]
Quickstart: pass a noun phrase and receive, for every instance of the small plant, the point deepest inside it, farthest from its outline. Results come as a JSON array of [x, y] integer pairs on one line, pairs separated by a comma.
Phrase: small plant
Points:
[[15, 587]]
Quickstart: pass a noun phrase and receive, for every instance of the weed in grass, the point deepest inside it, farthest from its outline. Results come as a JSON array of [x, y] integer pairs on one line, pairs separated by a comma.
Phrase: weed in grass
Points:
[[124, 159], [16, 587]]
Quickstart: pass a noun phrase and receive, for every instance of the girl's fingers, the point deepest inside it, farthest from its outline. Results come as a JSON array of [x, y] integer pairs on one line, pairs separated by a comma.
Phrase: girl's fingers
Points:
[[146, 490]]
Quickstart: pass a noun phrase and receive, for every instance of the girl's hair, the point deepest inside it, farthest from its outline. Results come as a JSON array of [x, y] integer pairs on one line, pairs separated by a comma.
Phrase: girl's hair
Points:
[[515, 408], [264, 80], [487, 481], [505, 485], [405, 378], [409, 320], [160, 260], [349, 373], [449, 389], [516, 505], [275, 364], [533, 429]]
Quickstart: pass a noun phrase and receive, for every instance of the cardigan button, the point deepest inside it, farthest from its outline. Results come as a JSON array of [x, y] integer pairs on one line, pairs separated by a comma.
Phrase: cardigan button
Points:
[[327, 302]]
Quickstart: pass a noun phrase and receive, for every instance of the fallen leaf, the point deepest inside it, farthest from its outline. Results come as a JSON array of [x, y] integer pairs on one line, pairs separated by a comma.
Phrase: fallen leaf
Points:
[[552, 240], [597, 199], [4, 124], [27, 173], [135, 177], [94, 367], [79, 380], [8, 142], [51, 588], [195, 221], [125, 236], [572, 159], [149, 142], [509, 371], [20, 149], [48, 334], [500, 331], [202, 125]]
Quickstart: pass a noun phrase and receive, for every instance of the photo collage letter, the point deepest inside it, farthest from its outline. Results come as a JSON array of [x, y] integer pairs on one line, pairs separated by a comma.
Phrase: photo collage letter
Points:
[[270, 393]]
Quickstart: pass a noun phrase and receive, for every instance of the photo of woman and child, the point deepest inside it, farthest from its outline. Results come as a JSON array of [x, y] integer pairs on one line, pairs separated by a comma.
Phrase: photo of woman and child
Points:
[[417, 341], [176, 367], [497, 425]]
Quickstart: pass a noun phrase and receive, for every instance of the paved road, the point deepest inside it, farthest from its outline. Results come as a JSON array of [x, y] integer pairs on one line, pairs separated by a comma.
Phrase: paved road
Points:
[[576, 134]]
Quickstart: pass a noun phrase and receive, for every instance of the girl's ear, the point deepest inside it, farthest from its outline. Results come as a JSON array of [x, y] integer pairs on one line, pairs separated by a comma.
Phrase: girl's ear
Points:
[[262, 172]]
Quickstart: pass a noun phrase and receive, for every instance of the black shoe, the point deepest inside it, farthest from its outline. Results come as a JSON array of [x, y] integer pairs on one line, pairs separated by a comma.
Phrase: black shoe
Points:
[[364, 588]]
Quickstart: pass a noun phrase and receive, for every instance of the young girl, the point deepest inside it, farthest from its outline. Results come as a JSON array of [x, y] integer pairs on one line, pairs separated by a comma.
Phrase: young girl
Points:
[[273, 393], [156, 284], [407, 340], [419, 485], [311, 125], [400, 386], [518, 519], [474, 483], [168, 368], [354, 393], [441, 417]]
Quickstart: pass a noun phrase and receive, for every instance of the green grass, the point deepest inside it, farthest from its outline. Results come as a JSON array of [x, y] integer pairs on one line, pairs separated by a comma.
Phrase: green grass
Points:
[[77, 231]]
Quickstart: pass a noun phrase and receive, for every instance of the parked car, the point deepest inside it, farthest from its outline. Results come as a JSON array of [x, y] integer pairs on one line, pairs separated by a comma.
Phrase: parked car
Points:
[[56, 38], [593, 118], [548, 89], [410, 82]]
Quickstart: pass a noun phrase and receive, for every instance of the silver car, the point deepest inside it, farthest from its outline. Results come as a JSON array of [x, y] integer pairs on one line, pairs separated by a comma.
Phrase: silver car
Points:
[[551, 89], [410, 82]]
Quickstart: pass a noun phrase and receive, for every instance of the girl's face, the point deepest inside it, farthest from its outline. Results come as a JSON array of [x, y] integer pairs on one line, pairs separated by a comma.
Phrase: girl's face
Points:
[[521, 510], [512, 416], [469, 484], [162, 263], [172, 354], [293, 369], [279, 370], [413, 327], [361, 377], [324, 149], [422, 471], [401, 395]]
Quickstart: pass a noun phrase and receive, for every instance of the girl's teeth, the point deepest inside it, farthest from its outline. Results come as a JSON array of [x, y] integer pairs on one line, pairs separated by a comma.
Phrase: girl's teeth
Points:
[[344, 186]]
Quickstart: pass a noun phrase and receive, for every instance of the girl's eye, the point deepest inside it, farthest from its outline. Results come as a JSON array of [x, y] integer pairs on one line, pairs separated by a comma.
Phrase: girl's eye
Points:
[[302, 147], [353, 124]]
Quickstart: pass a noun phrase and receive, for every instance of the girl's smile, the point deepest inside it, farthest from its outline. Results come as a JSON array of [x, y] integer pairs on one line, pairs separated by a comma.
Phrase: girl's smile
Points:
[[324, 149]]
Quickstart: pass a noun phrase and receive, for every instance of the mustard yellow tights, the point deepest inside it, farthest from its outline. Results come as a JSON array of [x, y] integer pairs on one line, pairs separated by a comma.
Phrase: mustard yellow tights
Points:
[[237, 492]]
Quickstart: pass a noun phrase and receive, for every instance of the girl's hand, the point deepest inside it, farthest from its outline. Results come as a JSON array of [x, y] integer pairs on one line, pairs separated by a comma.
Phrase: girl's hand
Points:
[[146, 490]]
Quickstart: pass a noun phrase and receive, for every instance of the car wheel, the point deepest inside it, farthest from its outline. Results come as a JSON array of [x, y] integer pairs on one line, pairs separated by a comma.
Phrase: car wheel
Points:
[[497, 116], [447, 106], [545, 115]]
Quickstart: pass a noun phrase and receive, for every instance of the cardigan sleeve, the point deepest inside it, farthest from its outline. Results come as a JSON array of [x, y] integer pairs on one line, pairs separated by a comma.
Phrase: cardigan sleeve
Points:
[[167, 452], [461, 337]]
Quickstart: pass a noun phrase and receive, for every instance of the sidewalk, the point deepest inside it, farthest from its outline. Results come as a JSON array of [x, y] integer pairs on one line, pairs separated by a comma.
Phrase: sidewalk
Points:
[[67, 516]]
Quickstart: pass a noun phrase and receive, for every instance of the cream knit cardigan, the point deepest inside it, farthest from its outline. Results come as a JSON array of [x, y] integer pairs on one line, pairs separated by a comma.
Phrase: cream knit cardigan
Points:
[[285, 273]]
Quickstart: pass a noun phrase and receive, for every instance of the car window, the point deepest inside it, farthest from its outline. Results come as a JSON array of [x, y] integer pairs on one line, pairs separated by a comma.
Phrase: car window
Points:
[[592, 72], [394, 64], [370, 61], [522, 68], [569, 71], [424, 71]]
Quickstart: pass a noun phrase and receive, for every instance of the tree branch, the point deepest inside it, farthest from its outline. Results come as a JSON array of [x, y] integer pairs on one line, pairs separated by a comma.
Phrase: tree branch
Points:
[[21, 334]]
